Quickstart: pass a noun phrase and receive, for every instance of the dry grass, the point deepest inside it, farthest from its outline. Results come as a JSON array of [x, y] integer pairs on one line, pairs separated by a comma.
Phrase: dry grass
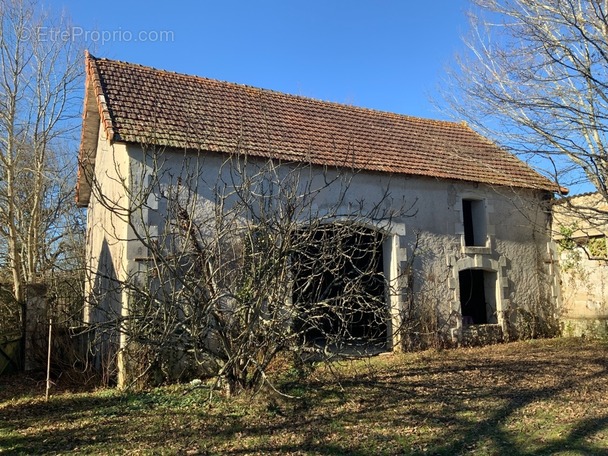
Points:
[[538, 397]]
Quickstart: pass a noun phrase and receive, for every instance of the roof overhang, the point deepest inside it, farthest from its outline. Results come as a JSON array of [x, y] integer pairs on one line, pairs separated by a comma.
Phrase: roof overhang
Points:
[[95, 109]]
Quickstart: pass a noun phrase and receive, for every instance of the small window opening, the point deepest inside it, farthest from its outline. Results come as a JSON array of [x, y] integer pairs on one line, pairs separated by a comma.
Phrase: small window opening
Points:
[[474, 220], [478, 297]]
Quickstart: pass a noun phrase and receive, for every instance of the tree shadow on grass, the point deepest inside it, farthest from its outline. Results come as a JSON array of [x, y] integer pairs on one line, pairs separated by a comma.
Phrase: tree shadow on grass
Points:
[[444, 406], [90, 423], [476, 414]]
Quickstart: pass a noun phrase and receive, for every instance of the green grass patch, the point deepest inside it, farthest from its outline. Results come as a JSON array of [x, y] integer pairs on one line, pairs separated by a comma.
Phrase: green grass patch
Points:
[[538, 397]]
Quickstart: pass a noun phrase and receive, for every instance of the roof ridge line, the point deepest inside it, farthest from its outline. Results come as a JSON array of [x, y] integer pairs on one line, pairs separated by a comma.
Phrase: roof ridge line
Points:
[[458, 124]]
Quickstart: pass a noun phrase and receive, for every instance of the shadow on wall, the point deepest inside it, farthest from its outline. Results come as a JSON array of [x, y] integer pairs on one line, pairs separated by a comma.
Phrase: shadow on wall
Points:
[[104, 308]]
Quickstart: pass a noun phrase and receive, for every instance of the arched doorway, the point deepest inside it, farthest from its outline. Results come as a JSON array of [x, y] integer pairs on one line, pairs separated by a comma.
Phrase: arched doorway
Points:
[[339, 286]]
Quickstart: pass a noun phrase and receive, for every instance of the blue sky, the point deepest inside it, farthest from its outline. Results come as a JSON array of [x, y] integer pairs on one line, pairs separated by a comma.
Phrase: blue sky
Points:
[[383, 54]]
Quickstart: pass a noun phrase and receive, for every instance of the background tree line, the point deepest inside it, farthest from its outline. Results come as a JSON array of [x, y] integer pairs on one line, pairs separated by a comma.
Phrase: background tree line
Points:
[[41, 230], [534, 78]]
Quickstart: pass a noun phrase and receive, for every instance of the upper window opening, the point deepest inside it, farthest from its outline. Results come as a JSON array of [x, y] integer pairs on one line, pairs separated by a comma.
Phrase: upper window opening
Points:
[[474, 220]]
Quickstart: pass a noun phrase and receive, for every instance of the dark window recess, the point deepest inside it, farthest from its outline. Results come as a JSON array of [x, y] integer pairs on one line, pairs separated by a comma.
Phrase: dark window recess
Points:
[[469, 238], [474, 221]]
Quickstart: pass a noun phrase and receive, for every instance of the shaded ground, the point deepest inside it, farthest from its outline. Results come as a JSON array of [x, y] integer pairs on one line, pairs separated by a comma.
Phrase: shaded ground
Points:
[[538, 397]]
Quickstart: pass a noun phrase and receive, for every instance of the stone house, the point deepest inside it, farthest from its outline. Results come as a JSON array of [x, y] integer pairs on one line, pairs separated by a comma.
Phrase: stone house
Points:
[[474, 246], [580, 234]]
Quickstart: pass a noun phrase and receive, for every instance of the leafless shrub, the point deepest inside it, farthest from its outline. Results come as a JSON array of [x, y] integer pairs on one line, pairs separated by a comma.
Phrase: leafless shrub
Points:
[[267, 258]]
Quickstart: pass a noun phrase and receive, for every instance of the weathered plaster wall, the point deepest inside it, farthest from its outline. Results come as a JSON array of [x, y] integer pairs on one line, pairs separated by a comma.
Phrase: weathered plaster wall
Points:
[[107, 240], [107, 219], [426, 229], [584, 278], [424, 249], [584, 291]]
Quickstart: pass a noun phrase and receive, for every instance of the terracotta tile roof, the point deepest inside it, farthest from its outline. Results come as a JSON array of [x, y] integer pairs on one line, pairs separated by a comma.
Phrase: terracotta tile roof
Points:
[[144, 105]]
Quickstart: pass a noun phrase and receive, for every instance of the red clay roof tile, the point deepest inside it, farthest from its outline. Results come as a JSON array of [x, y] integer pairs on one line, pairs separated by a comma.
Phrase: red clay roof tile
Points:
[[144, 105]]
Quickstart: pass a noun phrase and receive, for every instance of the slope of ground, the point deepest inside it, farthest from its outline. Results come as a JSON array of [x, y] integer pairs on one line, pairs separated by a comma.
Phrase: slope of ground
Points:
[[536, 397]]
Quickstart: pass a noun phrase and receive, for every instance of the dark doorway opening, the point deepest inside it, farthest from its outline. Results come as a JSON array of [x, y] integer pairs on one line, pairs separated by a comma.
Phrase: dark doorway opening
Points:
[[339, 287], [477, 296]]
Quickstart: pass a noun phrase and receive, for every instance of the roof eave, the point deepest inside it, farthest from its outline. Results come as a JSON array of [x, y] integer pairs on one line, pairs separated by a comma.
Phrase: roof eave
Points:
[[95, 109]]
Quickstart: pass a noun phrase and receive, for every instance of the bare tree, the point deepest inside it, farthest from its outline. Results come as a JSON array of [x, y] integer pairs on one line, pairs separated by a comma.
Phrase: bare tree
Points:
[[261, 259], [39, 77], [535, 80]]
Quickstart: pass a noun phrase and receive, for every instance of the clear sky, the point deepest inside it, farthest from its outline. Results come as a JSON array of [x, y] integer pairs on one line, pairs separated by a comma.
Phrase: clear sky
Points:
[[382, 54]]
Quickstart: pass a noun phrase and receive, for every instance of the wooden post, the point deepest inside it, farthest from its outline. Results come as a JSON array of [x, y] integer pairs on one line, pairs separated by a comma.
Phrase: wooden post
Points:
[[48, 361]]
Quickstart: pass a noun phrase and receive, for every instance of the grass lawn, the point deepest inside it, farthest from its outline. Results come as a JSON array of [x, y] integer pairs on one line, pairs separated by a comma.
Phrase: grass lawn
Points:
[[536, 397]]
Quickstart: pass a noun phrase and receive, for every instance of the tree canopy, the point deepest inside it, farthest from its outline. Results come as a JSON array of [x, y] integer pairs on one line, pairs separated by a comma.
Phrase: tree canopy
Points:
[[535, 80]]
